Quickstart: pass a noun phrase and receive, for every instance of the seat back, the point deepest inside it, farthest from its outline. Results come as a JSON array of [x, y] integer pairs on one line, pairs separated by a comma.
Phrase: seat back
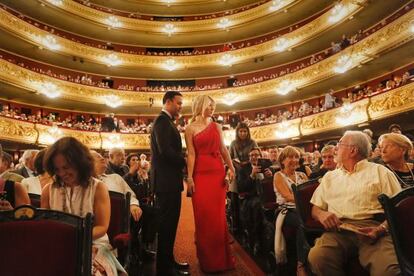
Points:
[[303, 194], [44, 242], [267, 194], [120, 215], [399, 211], [34, 200]]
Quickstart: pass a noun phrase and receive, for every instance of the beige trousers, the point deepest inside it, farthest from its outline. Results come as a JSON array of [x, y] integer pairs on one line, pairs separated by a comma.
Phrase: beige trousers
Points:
[[333, 250]]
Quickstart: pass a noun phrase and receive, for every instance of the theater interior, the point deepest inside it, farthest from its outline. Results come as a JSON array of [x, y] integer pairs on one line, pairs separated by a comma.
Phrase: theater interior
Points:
[[295, 72]]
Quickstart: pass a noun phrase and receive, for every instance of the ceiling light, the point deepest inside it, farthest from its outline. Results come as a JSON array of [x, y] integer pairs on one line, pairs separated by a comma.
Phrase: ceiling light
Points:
[[170, 64], [224, 23], [230, 99], [113, 101], [346, 108], [281, 44], [114, 141], [56, 2], [343, 64], [112, 60], [285, 87], [277, 4], [169, 29], [50, 42], [113, 22], [227, 60], [49, 89], [338, 12], [412, 27]]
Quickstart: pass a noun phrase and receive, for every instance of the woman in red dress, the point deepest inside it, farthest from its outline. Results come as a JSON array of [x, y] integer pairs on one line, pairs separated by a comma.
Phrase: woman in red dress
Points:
[[207, 184]]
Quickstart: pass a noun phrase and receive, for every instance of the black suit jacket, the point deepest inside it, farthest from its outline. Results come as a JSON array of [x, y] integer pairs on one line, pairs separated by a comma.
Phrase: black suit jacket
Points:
[[22, 171], [167, 159]]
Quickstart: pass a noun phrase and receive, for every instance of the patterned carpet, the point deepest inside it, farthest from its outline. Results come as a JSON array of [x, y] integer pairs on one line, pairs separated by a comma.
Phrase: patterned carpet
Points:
[[185, 248]]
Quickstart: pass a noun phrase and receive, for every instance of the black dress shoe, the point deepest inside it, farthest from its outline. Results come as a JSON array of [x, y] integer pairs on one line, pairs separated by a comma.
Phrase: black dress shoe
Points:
[[181, 272], [181, 266]]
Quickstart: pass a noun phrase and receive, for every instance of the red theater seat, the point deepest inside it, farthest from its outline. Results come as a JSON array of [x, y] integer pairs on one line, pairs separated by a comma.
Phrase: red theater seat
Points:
[[44, 242]]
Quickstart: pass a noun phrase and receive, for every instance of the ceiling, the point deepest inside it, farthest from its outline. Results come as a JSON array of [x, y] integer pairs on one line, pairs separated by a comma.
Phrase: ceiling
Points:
[[370, 15]]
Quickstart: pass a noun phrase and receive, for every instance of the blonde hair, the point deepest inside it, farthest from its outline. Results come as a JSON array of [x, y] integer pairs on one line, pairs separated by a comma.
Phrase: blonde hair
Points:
[[288, 151], [200, 104], [400, 140]]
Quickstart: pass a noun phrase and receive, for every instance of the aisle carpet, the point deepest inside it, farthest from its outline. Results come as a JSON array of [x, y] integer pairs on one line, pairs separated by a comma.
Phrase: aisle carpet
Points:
[[185, 248]]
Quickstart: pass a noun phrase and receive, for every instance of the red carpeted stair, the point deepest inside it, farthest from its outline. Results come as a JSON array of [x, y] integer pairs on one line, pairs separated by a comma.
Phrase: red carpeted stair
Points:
[[185, 247]]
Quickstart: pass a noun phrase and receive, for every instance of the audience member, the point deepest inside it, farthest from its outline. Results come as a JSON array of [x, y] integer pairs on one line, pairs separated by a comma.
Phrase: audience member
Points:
[[349, 195], [283, 181], [395, 150], [5, 169], [116, 162], [328, 162], [249, 179], [27, 163], [77, 192], [35, 184]]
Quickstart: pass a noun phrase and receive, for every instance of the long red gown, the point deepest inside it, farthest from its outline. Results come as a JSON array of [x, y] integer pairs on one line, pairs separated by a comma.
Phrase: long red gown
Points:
[[212, 240]]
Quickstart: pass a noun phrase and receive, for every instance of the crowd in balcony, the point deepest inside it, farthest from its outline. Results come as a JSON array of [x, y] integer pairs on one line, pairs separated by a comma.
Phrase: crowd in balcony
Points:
[[138, 15], [112, 123]]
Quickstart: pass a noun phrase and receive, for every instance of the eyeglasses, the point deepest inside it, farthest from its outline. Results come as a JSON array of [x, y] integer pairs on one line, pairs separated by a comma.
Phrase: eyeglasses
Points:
[[344, 144]]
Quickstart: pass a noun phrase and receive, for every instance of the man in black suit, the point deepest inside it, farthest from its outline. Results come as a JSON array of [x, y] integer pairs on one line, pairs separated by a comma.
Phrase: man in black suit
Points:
[[167, 179]]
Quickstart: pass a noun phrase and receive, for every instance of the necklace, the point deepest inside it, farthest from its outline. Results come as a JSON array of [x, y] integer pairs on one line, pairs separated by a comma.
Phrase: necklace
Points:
[[399, 178], [67, 197]]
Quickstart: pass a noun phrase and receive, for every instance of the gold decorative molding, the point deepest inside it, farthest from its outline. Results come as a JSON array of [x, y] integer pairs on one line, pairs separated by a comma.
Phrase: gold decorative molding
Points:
[[35, 35], [16, 130], [393, 34], [377, 107], [192, 26], [392, 103]]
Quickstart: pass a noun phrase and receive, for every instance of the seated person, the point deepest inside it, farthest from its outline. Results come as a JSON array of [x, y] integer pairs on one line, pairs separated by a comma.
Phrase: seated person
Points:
[[35, 184], [349, 194], [282, 182], [395, 149], [249, 180], [76, 191], [115, 183], [116, 162], [5, 169], [12, 194], [328, 162]]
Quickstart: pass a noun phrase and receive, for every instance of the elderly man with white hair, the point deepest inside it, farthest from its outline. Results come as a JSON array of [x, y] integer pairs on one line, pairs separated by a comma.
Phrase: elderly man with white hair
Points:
[[27, 169], [115, 183], [117, 162], [349, 195]]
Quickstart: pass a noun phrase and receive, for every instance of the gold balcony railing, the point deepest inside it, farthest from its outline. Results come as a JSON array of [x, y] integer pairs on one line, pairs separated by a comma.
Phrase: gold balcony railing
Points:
[[376, 107], [393, 35]]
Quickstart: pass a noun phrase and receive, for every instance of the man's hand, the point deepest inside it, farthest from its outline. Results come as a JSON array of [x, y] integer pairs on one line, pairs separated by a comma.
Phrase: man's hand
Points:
[[136, 212], [255, 170], [133, 168], [329, 220], [373, 233], [268, 173]]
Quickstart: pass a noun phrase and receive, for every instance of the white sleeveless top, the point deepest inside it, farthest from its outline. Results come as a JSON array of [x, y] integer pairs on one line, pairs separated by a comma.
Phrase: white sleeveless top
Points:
[[80, 203], [300, 177]]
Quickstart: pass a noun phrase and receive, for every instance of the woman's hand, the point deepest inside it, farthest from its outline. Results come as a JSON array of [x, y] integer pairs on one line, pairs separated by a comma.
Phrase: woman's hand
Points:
[[5, 205], [190, 186]]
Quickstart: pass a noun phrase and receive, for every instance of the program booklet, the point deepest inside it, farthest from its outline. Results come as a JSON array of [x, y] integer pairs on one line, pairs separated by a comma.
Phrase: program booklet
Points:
[[352, 228]]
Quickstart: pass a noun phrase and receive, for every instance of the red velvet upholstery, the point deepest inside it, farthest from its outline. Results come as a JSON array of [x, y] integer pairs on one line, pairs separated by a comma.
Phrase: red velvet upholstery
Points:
[[118, 231], [399, 211], [268, 194], [47, 245], [303, 194]]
